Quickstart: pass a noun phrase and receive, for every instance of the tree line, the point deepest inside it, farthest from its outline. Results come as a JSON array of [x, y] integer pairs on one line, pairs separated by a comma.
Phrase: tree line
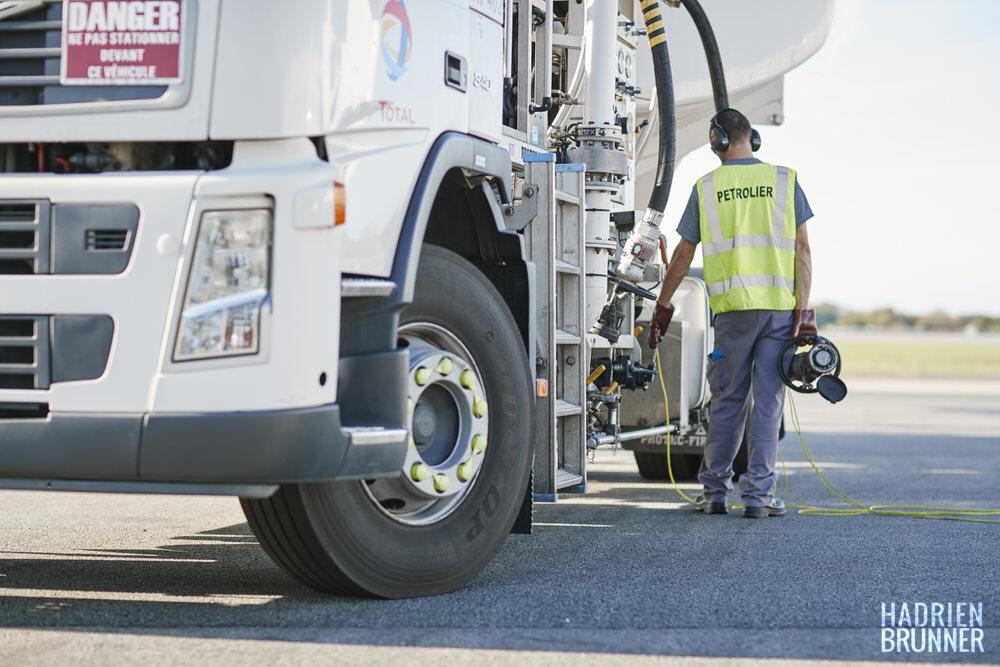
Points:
[[887, 318]]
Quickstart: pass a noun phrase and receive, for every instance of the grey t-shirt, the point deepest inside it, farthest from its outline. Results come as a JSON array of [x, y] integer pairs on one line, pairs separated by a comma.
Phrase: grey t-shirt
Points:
[[690, 229]]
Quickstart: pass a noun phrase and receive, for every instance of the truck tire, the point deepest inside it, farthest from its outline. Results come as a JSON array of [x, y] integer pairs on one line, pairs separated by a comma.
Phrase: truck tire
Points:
[[653, 465], [399, 537]]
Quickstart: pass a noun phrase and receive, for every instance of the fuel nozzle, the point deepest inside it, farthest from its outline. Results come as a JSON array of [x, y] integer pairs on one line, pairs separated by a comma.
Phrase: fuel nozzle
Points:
[[609, 323], [812, 371], [636, 254], [640, 247]]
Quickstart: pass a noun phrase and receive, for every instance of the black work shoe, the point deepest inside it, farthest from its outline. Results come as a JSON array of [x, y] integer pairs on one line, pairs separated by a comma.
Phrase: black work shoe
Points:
[[701, 504], [776, 508]]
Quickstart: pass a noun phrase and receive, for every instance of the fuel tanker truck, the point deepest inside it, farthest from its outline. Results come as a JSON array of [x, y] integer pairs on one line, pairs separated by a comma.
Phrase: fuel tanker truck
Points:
[[377, 267]]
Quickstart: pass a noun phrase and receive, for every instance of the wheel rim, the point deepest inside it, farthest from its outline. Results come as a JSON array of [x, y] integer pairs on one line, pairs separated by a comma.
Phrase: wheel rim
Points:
[[449, 424]]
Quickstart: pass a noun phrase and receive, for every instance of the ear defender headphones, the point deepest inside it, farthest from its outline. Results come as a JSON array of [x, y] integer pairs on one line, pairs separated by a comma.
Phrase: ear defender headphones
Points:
[[719, 138]]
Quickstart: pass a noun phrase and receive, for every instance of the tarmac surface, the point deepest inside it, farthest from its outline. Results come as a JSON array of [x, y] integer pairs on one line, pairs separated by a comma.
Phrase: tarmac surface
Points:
[[626, 573]]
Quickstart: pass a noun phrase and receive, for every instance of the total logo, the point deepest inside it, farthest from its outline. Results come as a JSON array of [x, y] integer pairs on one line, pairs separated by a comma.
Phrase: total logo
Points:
[[397, 40]]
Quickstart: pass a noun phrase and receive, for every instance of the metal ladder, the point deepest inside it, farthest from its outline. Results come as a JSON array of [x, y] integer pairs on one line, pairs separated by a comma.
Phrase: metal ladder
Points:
[[555, 243]]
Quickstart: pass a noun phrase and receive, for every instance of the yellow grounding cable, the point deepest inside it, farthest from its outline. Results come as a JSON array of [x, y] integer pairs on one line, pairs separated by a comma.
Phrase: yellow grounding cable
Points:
[[914, 511]]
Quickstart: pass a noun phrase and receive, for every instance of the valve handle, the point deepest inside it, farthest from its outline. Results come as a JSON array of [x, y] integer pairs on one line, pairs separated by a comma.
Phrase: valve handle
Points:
[[626, 286]]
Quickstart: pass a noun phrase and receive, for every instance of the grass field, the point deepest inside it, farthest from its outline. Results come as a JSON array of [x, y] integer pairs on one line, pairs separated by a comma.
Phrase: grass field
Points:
[[921, 359]]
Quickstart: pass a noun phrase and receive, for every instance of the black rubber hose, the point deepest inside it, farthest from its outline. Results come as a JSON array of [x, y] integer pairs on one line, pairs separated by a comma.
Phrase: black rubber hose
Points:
[[665, 105], [715, 70]]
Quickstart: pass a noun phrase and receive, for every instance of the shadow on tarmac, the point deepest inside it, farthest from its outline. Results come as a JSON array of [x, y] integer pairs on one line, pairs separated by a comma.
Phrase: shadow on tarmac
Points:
[[627, 568]]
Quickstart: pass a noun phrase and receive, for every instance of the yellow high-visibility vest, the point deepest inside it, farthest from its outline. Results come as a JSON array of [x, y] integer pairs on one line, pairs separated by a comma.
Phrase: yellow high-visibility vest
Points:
[[747, 218]]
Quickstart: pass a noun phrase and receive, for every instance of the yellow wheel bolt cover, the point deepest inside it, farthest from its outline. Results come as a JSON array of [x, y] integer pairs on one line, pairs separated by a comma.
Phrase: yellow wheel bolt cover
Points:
[[445, 366], [479, 406], [465, 471], [468, 379], [423, 375], [419, 472], [409, 407], [441, 482], [478, 443]]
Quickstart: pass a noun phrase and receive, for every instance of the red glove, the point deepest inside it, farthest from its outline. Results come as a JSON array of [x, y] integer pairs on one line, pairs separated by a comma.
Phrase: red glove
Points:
[[804, 324], [659, 323]]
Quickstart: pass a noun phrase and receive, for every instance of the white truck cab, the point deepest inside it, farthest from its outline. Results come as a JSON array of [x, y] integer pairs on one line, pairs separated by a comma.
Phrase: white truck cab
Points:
[[295, 252]]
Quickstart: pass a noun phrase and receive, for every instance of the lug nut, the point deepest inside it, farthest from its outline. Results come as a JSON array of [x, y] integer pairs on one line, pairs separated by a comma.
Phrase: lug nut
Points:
[[419, 472], [441, 482], [409, 407], [465, 471], [468, 379], [422, 376], [444, 367], [478, 443], [479, 406]]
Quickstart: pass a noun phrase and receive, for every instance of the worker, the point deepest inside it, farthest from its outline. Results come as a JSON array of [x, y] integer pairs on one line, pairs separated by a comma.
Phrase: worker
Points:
[[750, 218]]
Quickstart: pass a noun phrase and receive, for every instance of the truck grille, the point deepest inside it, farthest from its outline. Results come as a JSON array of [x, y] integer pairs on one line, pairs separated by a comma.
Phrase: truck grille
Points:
[[37, 351], [24, 237], [30, 47], [107, 239], [24, 353], [24, 410], [38, 237]]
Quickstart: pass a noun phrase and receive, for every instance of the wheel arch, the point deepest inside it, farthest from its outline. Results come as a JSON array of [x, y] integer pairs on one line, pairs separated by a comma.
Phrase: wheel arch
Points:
[[455, 205]]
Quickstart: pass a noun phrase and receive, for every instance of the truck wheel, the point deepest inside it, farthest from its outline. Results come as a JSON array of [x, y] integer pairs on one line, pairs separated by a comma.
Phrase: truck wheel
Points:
[[653, 465], [435, 526]]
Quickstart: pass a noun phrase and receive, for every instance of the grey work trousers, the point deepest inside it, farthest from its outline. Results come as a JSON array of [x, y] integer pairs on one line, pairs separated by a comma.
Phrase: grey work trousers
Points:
[[747, 343]]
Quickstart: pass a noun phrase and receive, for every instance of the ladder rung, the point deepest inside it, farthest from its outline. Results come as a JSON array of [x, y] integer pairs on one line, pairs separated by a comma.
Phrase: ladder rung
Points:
[[565, 408], [567, 198], [566, 478], [566, 267], [564, 41], [606, 245], [566, 338]]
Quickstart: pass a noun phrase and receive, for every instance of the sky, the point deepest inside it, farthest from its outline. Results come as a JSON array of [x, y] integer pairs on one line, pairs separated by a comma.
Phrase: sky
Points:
[[890, 126]]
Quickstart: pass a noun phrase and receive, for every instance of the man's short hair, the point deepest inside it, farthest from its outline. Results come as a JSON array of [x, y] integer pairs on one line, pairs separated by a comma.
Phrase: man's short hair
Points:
[[735, 124]]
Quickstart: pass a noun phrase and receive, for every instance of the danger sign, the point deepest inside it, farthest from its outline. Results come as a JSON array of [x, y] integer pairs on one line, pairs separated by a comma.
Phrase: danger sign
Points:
[[122, 43]]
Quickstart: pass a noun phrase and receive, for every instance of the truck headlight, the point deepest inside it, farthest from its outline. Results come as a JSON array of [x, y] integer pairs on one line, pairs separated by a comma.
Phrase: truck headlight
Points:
[[228, 283]]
